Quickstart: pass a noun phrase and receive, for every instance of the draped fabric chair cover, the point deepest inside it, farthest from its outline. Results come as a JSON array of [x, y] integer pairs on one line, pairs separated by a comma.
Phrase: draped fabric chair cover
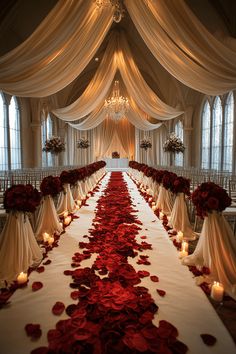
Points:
[[75, 191], [47, 219], [216, 249], [71, 205], [165, 201], [81, 192], [66, 201], [18, 247], [179, 219]]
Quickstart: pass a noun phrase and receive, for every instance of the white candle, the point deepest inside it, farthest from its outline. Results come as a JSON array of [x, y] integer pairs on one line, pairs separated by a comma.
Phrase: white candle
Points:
[[65, 214], [79, 202], [180, 236], [45, 236], [153, 203], [67, 220], [184, 246], [50, 241], [88, 195], [77, 207], [217, 291], [183, 254], [161, 215], [150, 199], [154, 207], [22, 278], [61, 224]]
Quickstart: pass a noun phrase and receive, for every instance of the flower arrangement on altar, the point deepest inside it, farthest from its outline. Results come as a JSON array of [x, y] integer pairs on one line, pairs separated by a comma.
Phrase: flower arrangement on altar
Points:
[[51, 186], [83, 143], [145, 144], [21, 197], [173, 144], [115, 155], [181, 185], [209, 197], [54, 145]]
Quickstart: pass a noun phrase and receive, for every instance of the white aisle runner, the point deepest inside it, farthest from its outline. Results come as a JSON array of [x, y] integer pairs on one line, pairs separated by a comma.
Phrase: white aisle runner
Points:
[[184, 305]]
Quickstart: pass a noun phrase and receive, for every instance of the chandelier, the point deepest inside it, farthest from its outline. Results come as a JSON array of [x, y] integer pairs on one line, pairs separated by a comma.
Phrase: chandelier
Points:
[[117, 4], [116, 106]]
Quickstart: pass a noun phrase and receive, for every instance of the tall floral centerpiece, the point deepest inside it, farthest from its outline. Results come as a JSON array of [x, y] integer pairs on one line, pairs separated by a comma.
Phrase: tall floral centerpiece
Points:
[[216, 248], [173, 144], [145, 144], [54, 145], [83, 143], [18, 247]]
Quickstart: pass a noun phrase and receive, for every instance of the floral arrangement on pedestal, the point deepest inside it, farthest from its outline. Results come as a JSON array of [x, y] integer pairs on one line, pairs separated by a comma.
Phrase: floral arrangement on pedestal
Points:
[[115, 155], [173, 144], [51, 186], [145, 144], [54, 145], [21, 197], [83, 143], [209, 197], [181, 185]]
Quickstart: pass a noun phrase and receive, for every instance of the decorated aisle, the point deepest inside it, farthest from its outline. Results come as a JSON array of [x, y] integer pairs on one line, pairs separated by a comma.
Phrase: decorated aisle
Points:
[[125, 269]]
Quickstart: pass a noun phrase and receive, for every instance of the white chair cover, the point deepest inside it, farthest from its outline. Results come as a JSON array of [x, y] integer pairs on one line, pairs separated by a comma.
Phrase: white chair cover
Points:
[[164, 200], [47, 219], [65, 200], [179, 219], [81, 192], [71, 205], [216, 249], [18, 247], [75, 191]]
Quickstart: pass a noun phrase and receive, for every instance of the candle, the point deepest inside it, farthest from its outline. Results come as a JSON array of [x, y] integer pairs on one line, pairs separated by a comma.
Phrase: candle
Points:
[[65, 214], [61, 224], [88, 195], [184, 246], [77, 207], [150, 199], [22, 278], [217, 291], [180, 236], [161, 215], [154, 207], [45, 236], [79, 202], [50, 241], [67, 220], [153, 203], [183, 254]]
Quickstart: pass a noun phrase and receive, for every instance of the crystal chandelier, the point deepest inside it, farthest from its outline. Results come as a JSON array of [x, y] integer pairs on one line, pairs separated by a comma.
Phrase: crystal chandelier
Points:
[[116, 106], [117, 4]]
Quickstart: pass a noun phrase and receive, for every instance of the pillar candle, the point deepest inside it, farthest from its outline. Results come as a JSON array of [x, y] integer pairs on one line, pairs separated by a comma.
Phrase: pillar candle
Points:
[[22, 278], [65, 214], [45, 236], [184, 246], [180, 236], [217, 291], [183, 254]]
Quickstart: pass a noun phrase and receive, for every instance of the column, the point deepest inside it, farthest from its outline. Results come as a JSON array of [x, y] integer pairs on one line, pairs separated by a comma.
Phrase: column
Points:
[[37, 146]]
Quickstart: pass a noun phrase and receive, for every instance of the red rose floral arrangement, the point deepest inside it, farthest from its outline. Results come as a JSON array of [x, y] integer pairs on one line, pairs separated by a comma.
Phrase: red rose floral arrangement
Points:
[[21, 197], [181, 185], [209, 197], [51, 186]]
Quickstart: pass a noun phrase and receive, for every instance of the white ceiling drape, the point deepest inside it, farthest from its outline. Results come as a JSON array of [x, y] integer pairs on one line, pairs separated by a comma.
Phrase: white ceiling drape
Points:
[[183, 46], [57, 51]]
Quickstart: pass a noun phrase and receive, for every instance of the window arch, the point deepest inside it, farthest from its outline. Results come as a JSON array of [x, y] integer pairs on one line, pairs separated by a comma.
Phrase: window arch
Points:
[[216, 134], [206, 134], [179, 132], [10, 134], [228, 133], [46, 133]]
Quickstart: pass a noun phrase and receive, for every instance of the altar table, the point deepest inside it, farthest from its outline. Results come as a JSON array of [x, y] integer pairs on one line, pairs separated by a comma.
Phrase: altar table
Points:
[[120, 164]]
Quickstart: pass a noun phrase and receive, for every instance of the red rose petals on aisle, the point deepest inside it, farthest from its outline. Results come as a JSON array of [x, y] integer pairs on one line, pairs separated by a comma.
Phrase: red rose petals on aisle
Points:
[[114, 312]]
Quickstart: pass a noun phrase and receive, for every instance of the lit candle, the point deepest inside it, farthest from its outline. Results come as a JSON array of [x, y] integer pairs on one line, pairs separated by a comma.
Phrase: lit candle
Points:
[[184, 246], [61, 224], [88, 195], [183, 254], [79, 202], [180, 236], [22, 278], [217, 291], [153, 203], [150, 199], [161, 215], [154, 207], [50, 240], [67, 220], [77, 207], [65, 214], [45, 236]]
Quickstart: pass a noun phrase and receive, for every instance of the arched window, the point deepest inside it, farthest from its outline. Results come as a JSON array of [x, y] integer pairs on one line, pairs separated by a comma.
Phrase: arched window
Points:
[[228, 134], [3, 136], [179, 132], [206, 134], [14, 134], [216, 135], [46, 133]]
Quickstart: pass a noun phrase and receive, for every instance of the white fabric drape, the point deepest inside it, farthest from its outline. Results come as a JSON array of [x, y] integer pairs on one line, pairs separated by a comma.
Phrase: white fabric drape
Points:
[[103, 137], [216, 249], [165, 200], [58, 50], [183, 46], [126, 134], [18, 247], [94, 119]]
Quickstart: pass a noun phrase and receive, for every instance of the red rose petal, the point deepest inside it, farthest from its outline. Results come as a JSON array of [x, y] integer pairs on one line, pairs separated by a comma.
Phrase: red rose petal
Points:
[[208, 339], [47, 262], [40, 350], [143, 237], [33, 330], [143, 273], [40, 269], [74, 295], [37, 285], [58, 308], [161, 292], [154, 278], [68, 272]]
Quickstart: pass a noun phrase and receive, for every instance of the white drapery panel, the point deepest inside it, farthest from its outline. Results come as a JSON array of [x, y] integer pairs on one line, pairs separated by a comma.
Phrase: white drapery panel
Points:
[[103, 137], [97, 89], [93, 120], [136, 86], [58, 50], [126, 133], [76, 156], [183, 46]]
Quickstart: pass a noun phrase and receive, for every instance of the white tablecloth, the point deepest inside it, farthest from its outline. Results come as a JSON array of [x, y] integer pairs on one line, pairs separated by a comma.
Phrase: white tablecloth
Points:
[[117, 164], [184, 305]]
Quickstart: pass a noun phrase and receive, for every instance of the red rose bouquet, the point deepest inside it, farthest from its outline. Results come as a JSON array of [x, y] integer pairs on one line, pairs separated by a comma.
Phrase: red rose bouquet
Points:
[[181, 185], [158, 175], [208, 197], [21, 197], [51, 186], [168, 179]]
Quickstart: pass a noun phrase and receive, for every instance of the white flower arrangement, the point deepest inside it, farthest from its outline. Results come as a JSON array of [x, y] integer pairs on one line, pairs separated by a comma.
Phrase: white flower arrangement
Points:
[[54, 145], [83, 143], [145, 144], [173, 144]]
